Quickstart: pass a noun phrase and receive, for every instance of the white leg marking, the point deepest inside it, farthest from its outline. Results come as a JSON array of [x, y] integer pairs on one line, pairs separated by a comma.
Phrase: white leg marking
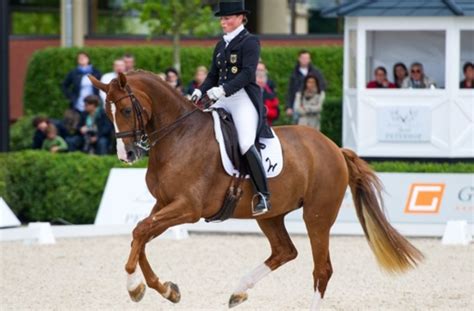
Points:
[[134, 280], [252, 278], [317, 300], [121, 152], [168, 292]]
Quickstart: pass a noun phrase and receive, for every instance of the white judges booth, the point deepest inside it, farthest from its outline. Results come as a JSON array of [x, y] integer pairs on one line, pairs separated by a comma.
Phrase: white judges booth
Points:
[[408, 123]]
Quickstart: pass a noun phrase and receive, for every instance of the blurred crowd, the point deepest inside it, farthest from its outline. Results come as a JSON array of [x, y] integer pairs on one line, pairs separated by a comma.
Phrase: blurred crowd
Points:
[[85, 126], [415, 78]]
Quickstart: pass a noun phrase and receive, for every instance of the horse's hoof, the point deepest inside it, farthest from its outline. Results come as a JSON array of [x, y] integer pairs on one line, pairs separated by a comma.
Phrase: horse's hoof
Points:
[[138, 293], [237, 299], [172, 294]]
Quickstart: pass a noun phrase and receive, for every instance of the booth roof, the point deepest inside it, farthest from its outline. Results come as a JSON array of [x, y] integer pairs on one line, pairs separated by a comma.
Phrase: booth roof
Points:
[[402, 8]]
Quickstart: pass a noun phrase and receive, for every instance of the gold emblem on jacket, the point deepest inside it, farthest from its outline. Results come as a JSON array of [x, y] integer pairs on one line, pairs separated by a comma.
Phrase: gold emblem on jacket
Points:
[[233, 58], [234, 69]]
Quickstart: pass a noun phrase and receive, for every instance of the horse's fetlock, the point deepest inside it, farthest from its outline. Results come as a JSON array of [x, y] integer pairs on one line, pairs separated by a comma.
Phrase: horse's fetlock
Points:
[[151, 281]]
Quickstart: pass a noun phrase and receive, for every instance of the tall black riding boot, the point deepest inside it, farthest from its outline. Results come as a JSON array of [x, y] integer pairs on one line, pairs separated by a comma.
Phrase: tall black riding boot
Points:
[[259, 180]]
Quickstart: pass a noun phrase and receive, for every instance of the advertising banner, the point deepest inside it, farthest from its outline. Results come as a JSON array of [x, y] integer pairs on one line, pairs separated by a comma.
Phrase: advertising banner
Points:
[[414, 201]]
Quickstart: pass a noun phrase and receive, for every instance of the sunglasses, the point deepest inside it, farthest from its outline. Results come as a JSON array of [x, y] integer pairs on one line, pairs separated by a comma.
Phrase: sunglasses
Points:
[[415, 71]]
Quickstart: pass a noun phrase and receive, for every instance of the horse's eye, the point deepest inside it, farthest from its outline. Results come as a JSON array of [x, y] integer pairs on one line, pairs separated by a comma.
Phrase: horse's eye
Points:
[[127, 112]]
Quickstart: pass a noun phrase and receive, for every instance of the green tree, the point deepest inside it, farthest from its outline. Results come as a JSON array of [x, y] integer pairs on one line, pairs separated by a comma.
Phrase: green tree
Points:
[[177, 18]]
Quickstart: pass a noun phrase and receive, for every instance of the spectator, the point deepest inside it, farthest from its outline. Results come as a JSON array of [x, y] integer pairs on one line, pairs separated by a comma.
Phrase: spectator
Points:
[[41, 123], [269, 97], [77, 85], [261, 67], [119, 66], [380, 81], [73, 136], [161, 75], [309, 102], [172, 77], [129, 61], [417, 78], [199, 77], [95, 127], [468, 82], [53, 142], [400, 72], [302, 69]]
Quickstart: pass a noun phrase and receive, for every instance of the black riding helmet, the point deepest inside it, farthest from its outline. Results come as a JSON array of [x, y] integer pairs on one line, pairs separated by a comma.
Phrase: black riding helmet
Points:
[[231, 7]]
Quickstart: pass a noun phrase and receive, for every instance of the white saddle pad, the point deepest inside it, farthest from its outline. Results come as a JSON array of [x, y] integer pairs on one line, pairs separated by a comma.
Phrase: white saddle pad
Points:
[[272, 155]]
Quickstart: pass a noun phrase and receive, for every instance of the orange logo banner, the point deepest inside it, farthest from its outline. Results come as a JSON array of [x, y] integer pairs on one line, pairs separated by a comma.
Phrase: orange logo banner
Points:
[[424, 198]]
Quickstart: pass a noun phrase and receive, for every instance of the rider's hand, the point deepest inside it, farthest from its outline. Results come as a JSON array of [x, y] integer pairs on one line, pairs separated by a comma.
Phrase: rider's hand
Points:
[[196, 96], [216, 93], [289, 112]]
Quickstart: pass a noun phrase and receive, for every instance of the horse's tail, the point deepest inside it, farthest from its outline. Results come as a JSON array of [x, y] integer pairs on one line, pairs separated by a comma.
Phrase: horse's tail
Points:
[[393, 252]]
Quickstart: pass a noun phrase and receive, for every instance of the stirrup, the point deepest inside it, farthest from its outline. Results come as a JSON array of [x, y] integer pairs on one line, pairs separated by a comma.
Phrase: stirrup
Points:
[[265, 202]]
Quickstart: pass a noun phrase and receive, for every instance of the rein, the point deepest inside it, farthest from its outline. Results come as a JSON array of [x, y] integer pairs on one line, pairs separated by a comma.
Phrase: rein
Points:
[[141, 138]]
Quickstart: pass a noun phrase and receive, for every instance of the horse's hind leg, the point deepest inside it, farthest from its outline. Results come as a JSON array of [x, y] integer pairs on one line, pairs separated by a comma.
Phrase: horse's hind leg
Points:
[[283, 251], [318, 224]]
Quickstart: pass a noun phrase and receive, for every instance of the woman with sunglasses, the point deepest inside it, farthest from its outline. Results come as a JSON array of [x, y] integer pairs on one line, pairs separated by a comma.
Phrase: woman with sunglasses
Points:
[[417, 78]]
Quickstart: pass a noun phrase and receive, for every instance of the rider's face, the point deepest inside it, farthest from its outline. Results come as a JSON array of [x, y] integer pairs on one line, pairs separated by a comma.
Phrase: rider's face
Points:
[[230, 23]]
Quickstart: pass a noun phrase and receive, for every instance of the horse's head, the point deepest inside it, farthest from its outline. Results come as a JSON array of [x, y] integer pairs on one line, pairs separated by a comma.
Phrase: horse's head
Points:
[[129, 110]]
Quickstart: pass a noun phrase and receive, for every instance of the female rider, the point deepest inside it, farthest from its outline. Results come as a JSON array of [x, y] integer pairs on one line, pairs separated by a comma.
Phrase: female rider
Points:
[[231, 84]]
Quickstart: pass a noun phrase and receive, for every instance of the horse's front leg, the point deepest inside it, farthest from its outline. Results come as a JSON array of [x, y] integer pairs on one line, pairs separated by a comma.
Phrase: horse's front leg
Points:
[[175, 213]]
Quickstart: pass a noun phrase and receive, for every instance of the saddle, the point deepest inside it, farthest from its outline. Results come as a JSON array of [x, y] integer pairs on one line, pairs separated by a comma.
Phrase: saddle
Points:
[[234, 193], [229, 132]]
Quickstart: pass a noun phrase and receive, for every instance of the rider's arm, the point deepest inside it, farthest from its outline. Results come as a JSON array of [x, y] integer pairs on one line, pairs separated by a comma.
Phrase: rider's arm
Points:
[[213, 75]]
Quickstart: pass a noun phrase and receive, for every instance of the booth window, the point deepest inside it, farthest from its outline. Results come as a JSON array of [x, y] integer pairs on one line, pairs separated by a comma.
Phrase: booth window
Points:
[[35, 17], [113, 17], [386, 48], [352, 59], [467, 50]]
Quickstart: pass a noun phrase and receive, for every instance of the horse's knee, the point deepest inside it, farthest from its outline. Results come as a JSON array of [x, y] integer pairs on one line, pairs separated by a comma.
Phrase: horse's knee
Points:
[[140, 231]]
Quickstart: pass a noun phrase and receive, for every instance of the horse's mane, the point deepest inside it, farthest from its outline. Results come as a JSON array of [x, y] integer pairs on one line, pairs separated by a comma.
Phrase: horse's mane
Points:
[[157, 79]]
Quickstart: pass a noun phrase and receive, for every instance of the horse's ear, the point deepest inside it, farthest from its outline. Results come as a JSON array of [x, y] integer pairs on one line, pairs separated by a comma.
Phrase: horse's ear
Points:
[[122, 79], [101, 86]]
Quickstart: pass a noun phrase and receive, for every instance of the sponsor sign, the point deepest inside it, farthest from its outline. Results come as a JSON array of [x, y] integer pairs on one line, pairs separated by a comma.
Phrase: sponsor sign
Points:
[[412, 199], [126, 199], [7, 218], [404, 124]]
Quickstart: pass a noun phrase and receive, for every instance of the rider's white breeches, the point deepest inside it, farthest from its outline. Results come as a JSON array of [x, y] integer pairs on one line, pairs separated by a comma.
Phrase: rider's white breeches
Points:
[[245, 117]]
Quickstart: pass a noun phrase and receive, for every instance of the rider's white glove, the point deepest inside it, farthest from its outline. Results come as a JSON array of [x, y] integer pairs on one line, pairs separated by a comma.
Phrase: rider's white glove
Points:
[[196, 95], [216, 93]]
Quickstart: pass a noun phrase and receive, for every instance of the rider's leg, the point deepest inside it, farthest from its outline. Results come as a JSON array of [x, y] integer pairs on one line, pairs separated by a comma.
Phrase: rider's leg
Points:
[[259, 179]]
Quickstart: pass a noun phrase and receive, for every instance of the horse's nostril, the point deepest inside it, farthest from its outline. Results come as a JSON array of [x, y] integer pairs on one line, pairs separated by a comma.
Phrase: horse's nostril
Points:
[[130, 154]]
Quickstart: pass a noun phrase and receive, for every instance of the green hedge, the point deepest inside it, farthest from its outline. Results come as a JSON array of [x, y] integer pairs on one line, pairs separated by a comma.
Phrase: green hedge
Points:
[[40, 186], [48, 68], [422, 167], [331, 119]]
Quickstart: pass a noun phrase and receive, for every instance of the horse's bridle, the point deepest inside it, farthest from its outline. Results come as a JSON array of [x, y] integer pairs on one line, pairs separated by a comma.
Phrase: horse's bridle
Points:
[[141, 138]]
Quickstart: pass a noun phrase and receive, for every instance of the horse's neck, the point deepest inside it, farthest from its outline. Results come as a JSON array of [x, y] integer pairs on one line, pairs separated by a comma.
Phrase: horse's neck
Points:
[[168, 108]]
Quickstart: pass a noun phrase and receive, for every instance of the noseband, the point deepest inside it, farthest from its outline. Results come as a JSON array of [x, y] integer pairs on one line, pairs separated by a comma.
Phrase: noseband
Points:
[[141, 138]]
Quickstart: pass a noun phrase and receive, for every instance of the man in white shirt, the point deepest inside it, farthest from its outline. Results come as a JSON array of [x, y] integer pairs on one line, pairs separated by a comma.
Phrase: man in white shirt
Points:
[[119, 66]]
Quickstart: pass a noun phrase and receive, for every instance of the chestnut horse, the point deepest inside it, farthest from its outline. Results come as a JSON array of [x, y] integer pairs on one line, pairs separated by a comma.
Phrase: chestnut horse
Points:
[[186, 177]]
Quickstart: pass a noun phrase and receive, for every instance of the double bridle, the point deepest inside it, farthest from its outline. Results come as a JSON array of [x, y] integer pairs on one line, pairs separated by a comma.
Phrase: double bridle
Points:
[[141, 138]]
